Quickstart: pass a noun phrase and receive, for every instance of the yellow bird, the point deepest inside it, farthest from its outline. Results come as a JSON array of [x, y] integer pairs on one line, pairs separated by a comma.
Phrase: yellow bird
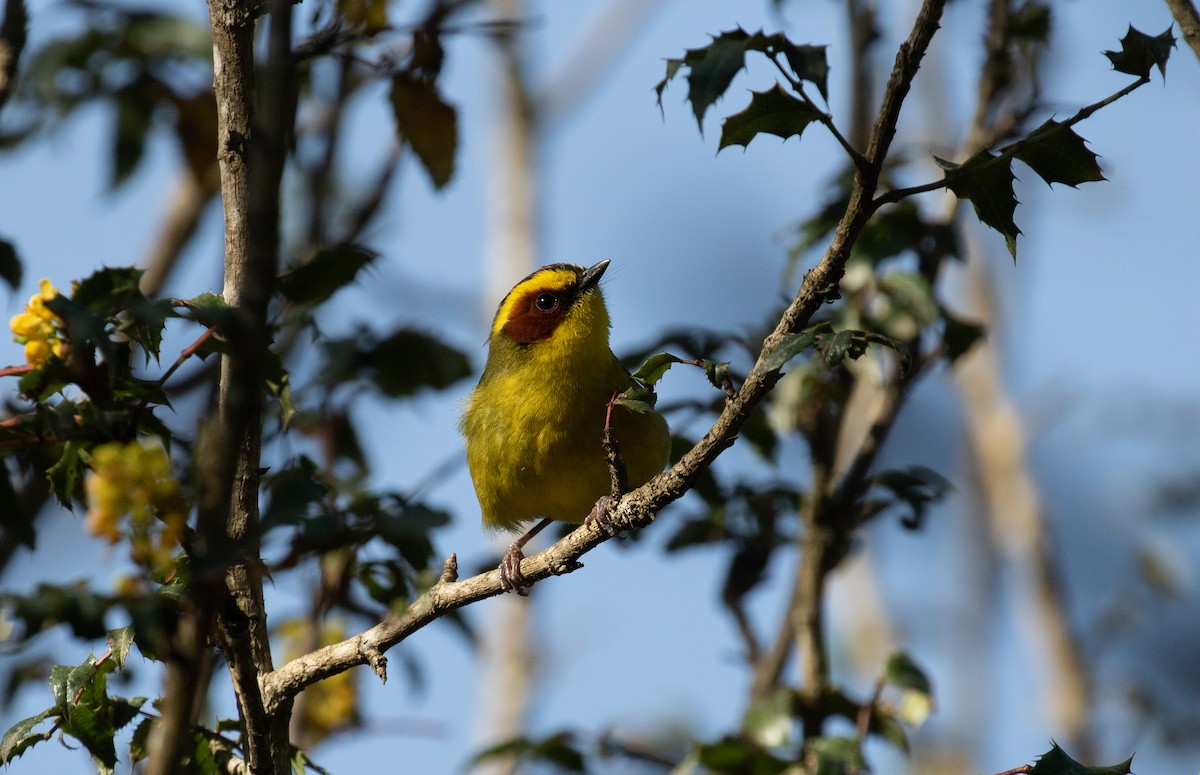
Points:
[[534, 425]]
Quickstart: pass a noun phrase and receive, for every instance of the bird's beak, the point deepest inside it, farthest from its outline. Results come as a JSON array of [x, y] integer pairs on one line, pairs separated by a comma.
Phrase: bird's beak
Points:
[[592, 275]]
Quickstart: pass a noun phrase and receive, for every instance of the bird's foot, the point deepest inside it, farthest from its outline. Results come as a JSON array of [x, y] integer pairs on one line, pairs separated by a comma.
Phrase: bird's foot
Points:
[[511, 579], [600, 516]]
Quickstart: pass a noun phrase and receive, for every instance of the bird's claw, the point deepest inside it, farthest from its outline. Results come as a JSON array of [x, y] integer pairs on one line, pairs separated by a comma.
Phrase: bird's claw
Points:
[[511, 579], [600, 516]]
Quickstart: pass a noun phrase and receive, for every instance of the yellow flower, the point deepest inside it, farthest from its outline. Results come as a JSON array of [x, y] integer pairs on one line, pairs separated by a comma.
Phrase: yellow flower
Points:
[[38, 328], [134, 480]]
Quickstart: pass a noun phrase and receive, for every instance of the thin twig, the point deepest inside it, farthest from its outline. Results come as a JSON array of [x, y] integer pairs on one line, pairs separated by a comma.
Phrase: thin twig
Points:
[[860, 161], [1008, 152]]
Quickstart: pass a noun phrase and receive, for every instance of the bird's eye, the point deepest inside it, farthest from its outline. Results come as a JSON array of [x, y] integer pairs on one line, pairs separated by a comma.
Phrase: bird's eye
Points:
[[546, 302]]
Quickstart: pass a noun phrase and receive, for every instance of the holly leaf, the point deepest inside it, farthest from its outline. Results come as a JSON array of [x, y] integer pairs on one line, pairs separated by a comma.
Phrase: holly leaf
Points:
[[1141, 52], [20, 737], [791, 346], [427, 124], [774, 112], [120, 641], [1058, 155], [808, 62], [986, 181], [209, 310], [654, 367], [711, 69], [327, 271], [1057, 762], [64, 474]]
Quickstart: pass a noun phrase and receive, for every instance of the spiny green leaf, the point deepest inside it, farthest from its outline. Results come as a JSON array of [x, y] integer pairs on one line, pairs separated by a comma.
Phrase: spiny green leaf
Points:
[[986, 181], [328, 270], [809, 63], [1058, 155], [139, 744], [774, 112], [654, 367], [791, 346], [427, 124], [673, 66], [1057, 762], [20, 738], [10, 264], [64, 474], [108, 290], [209, 310], [120, 641], [1141, 52], [711, 69]]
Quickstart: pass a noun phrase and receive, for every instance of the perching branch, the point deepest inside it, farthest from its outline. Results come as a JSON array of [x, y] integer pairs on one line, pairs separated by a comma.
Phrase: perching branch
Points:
[[639, 507]]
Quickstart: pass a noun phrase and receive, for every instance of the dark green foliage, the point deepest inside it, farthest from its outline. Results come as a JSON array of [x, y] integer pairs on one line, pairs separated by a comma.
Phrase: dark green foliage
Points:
[[1057, 762], [10, 264], [427, 124], [915, 487], [835, 756], [986, 181], [1058, 155], [736, 756], [1141, 52], [774, 112], [833, 346], [558, 750], [129, 59], [903, 673], [398, 365], [324, 273], [712, 68], [958, 336], [82, 710]]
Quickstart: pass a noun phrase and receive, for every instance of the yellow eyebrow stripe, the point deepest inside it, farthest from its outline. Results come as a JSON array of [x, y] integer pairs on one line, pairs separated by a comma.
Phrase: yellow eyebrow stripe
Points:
[[551, 278]]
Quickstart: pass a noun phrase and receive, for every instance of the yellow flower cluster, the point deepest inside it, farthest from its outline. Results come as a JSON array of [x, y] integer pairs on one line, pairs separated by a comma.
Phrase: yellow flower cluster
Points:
[[135, 480], [38, 328]]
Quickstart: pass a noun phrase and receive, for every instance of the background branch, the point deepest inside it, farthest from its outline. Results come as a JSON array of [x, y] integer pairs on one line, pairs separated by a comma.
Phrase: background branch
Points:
[[1188, 19]]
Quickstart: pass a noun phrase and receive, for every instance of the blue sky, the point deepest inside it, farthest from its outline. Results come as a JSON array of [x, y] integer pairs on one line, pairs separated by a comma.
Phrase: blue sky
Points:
[[1099, 345]]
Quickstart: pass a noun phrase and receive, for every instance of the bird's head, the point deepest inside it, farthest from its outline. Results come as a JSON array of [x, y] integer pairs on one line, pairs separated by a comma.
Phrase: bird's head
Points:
[[559, 307]]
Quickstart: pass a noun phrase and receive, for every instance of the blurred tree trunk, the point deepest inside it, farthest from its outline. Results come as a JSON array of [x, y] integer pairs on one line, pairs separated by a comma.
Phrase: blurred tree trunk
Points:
[[506, 649]]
